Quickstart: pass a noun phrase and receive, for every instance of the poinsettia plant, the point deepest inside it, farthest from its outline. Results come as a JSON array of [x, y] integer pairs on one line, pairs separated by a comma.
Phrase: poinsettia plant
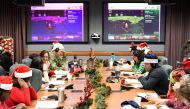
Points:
[[7, 45]]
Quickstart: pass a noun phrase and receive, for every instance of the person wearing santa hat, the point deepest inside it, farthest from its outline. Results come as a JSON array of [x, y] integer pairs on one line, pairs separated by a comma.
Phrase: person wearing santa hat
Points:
[[6, 84], [176, 76], [57, 57], [22, 91], [132, 48], [157, 78]]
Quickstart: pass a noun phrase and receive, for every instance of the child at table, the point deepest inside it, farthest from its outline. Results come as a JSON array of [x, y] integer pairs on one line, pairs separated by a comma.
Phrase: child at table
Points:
[[22, 91], [6, 84]]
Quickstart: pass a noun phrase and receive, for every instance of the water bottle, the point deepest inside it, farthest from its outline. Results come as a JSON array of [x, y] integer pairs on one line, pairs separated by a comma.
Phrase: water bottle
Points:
[[113, 57], [75, 58], [61, 94]]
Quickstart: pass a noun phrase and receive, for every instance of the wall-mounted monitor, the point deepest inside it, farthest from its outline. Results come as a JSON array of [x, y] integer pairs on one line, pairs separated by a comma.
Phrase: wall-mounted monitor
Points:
[[65, 22], [137, 22]]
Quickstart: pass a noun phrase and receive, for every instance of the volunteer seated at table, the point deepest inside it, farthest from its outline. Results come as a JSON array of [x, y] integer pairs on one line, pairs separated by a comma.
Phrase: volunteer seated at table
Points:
[[22, 91], [6, 84], [182, 91], [138, 67], [57, 57], [157, 79]]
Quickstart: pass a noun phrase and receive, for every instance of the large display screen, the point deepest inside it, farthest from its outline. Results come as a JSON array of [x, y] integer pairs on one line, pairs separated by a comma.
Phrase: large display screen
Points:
[[65, 22], [137, 22]]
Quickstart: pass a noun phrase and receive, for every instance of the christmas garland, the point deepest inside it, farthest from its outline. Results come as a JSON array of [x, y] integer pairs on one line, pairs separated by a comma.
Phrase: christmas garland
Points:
[[94, 77], [102, 91], [99, 63]]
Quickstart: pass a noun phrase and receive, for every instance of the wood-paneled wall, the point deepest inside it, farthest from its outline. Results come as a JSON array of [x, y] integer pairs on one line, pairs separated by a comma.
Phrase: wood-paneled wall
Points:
[[97, 53]]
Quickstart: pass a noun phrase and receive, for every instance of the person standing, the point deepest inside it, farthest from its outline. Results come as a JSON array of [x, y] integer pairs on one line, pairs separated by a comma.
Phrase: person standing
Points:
[[57, 57]]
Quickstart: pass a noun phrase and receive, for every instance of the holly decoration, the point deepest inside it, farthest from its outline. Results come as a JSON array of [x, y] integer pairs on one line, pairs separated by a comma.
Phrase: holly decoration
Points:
[[86, 101]]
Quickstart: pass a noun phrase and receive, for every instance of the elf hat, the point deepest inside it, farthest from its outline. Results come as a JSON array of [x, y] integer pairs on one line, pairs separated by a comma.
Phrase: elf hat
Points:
[[56, 44], [6, 82], [23, 72], [142, 46]]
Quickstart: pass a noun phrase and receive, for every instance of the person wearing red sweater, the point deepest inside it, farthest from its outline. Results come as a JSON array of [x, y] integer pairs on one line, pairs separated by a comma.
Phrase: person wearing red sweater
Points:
[[6, 84], [22, 91]]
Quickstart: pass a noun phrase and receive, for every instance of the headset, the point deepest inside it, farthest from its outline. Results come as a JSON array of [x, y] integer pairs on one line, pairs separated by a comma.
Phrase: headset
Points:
[[57, 50], [1, 92]]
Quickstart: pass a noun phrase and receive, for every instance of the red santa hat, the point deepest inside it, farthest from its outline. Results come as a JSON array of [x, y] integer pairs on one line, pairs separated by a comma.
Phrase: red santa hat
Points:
[[6, 82], [23, 72], [186, 64], [142, 46], [132, 45], [56, 44]]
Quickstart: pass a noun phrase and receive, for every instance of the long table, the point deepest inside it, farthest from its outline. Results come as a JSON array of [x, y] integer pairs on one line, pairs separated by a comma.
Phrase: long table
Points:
[[113, 101]]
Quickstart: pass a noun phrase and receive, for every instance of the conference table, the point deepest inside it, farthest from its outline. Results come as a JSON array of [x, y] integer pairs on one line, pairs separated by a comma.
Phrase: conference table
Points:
[[113, 101]]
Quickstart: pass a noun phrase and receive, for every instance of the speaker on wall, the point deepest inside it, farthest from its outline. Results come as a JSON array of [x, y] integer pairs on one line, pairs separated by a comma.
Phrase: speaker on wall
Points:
[[30, 2]]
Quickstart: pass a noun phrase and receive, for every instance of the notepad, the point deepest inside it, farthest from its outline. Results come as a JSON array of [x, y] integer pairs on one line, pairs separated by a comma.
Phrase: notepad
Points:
[[137, 85], [132, 81], [46, 104]]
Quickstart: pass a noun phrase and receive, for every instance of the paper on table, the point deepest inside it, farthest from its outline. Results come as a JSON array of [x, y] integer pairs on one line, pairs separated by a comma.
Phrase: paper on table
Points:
[[57, 82], [132, 81], [61, 72], [153, 95], [137, 85], [126, 66], [128, 107], [154, 107], [142, 95], [46, 104], [150, 107], [145, 95], [128, 73]]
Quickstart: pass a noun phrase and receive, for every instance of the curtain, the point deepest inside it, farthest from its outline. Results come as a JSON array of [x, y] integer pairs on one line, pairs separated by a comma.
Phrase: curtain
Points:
[[177, 31], [13, 24]]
